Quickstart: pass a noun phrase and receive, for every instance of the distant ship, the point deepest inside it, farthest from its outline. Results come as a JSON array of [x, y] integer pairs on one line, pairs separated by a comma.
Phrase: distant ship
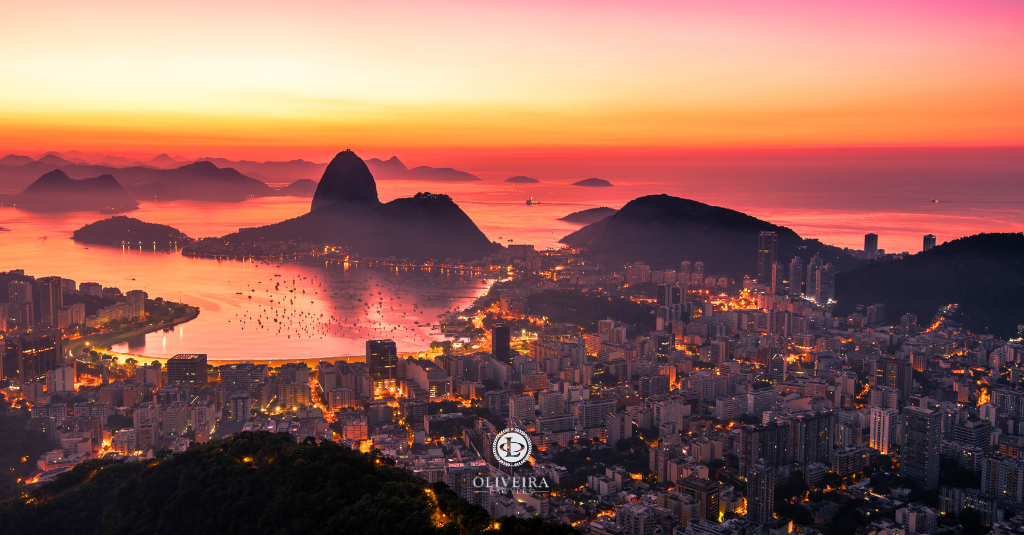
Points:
[[531, 202]]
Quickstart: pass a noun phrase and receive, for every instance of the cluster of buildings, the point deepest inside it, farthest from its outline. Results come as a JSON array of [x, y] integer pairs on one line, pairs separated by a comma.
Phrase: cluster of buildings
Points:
[[694, 423], [39, 303]]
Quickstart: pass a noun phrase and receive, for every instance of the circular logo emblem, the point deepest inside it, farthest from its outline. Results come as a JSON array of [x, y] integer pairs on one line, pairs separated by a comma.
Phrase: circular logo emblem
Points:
[[512, 447]]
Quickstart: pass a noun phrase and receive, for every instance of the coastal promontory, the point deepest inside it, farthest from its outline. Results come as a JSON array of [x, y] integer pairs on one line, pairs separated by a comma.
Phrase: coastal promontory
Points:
[[345, 211], [123, 230]]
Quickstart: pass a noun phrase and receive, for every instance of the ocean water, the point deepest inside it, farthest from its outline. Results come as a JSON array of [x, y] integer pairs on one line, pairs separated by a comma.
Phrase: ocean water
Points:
[[835, 196]]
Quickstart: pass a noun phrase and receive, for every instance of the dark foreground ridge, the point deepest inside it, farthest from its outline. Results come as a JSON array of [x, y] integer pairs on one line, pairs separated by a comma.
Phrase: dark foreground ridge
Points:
[[124, 230], [346, 211], [251, 483], [661, 229], [982, 274], [57, 192]]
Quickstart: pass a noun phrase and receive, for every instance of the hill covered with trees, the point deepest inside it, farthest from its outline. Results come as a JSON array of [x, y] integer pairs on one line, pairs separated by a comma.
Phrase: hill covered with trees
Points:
[[252, 483], [982, 274]]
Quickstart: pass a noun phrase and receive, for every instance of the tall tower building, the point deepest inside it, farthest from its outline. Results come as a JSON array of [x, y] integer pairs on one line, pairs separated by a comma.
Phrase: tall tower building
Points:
[[382, 359], [51, 301], [685, 270], [698, 272], [929, 242], [826, 281], [778, 278], [871, 244], [18, 293], [796, 276], [813, 266], [919, 449], [884, 430], [501, 343], [767, 255], [760, 493]]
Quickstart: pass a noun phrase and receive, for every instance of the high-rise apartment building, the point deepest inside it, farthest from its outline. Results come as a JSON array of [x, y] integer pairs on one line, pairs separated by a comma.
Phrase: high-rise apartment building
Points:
[[825, 280], [51, 301], [501, 343], [382, 359], [760, 493], [767, 255], [706, 492], [814, 265], [919, 449], [884, 429], [871, 244], [778, 278], [189, 369], [929, 242], [136, 304], [895, 373], [27, 357], [796, 276]]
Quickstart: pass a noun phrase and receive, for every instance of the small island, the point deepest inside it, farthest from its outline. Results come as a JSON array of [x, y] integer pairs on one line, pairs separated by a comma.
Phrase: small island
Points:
[[124, 230], [522, 180], [300, 188], [593, 183], [588, 216]]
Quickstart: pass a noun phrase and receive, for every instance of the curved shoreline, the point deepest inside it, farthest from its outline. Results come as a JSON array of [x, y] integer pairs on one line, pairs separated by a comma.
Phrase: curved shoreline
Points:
[[105, 340]]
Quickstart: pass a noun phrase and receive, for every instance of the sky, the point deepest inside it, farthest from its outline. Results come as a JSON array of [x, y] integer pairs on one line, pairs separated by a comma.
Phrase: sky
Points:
[[303, 79]]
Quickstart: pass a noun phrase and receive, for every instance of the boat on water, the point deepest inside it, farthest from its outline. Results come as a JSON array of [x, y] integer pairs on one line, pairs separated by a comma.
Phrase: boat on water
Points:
[[531, 202]]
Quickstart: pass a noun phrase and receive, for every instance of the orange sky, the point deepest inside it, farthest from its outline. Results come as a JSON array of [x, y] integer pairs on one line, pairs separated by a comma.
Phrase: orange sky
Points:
[[271, 80]]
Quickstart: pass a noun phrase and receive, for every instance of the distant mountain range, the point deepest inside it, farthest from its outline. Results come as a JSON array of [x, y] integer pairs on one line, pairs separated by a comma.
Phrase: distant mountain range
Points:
[[56, 192], [662, 230], [983, 274], [201, 181], [345, 210], [394, 169], [119, 230]]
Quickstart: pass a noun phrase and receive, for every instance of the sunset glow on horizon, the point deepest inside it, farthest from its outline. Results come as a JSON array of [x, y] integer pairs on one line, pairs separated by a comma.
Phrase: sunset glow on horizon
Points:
[[304, 79]]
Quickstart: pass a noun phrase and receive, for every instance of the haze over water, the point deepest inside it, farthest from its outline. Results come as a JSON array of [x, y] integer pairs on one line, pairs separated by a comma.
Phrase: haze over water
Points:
[[836, 198]]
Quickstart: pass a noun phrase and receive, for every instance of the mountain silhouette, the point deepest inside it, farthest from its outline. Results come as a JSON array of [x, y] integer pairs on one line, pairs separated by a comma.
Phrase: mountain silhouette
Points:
[[346, 212], [163, 161], [303, 187], [14, 159], [394, 169], [123, 230], [522, 180], [346, 179], [662, 231], [56, 192], [272, 171], [590, 215], [983, 274]]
